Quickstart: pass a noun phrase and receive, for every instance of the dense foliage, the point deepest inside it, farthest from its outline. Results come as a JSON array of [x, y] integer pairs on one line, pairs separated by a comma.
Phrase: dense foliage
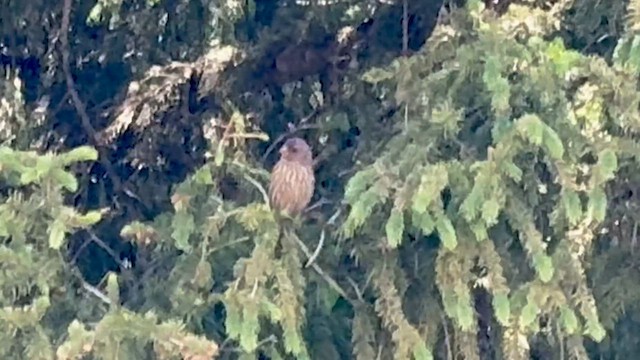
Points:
[[476, 169]]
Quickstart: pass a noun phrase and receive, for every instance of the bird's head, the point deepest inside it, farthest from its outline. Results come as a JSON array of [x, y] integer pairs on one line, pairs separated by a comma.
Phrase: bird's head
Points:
[[297, 150]]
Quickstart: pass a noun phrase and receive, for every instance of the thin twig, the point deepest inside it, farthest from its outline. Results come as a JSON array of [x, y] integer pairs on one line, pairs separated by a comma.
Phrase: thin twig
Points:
[[447, 340], [316, 252], [223, 348], [254, 291], [259, 187], [355, 287], [79, 105], [313, 257], [562, 341], [316, 205], [60, 104], [79, 250], [231, 243], [302, 125], [405, 28], [634, 237], [95, 239], [97, 293], [367, 282], [328, 279], [334, 217], [106, 248]]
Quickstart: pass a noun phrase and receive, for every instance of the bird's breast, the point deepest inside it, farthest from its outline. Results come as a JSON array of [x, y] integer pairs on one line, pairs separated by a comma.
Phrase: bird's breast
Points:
[[291, 187]]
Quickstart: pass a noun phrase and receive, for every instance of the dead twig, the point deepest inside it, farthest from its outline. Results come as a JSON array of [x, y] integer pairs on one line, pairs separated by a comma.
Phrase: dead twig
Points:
[[315, 254], [97, 293], [316, 205], [260, 188], [355, 287], [95, 239], [302, 125], [328, 279]]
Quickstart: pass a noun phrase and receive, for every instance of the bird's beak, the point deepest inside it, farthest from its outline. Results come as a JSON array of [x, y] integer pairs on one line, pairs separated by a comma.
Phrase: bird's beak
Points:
[[283, 150]]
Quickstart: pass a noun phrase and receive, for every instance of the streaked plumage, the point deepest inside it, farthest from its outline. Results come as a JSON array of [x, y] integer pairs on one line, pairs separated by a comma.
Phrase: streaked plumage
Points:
[[292, 178]]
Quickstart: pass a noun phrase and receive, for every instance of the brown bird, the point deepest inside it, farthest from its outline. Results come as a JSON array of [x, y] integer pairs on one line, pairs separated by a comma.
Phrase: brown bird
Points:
[[292, 178]]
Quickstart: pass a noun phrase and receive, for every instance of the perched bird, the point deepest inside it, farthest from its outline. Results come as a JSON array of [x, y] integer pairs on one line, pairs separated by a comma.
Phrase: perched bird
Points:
[[292, 178]]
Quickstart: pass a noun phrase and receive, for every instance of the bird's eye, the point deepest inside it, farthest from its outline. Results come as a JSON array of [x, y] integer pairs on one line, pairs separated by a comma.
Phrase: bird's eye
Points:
[[293, 149]]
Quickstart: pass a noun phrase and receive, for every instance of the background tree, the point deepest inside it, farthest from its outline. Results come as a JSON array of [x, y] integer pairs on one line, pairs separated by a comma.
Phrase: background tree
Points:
[[476, 194]]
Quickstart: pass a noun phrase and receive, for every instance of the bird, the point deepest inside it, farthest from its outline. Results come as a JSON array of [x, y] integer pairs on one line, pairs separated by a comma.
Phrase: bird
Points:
[[292, 180]]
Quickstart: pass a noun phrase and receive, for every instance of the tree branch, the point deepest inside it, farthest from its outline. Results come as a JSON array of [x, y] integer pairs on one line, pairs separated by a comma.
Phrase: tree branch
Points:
[[79, 105]]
